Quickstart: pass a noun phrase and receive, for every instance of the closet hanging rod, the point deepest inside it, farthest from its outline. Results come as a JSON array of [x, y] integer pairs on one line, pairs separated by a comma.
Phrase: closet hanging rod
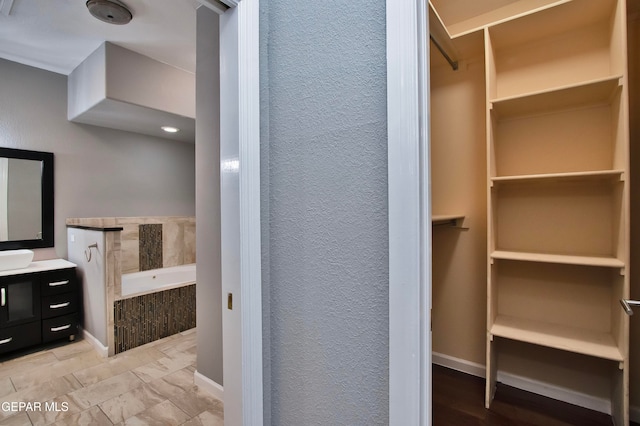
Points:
[[452, 62], [441, 38]]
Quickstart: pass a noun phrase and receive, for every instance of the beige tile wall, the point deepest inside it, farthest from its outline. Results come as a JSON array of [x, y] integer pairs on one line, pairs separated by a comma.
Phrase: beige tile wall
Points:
[[178, 238]]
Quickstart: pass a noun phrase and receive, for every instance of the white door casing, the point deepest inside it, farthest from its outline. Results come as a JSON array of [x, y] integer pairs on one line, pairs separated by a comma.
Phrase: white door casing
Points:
[[409, 213], [240, 214]]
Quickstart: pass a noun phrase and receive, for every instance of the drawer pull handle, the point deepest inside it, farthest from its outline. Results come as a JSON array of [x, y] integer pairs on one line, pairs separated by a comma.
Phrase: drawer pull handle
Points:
[[4, 341], [58, 283], [3, 296], [59, 305], [62, 327]]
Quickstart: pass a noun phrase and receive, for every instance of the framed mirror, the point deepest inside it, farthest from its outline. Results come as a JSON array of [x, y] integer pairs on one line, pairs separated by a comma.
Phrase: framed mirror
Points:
[[26, 199]]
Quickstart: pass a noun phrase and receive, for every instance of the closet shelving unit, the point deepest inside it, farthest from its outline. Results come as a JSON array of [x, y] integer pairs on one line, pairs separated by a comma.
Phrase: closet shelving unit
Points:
[[558, 196]]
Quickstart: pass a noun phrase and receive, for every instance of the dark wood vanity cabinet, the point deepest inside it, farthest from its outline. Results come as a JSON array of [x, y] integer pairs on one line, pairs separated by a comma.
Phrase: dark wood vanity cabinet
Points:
[[38, 305]]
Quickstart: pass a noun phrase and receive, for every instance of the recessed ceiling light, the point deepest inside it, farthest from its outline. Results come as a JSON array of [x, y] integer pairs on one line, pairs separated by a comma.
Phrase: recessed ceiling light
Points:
[[170, 129]]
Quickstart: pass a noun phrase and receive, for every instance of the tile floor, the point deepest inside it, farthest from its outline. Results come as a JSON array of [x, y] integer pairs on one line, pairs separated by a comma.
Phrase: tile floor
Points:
[[70, 384]]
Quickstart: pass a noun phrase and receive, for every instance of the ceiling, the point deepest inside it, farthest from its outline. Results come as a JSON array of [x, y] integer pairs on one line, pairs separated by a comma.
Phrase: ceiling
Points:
[[57, 35]]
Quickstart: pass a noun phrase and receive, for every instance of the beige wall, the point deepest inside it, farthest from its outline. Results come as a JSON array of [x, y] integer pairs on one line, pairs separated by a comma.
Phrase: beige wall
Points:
[[178, 241], [458, 173]]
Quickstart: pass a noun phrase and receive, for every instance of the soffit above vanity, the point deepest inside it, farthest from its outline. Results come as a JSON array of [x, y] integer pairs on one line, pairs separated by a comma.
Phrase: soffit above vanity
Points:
[[58, 36], [118, 88]]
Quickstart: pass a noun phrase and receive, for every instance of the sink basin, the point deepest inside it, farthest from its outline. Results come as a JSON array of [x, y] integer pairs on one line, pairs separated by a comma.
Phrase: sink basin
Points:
[[15, 259]]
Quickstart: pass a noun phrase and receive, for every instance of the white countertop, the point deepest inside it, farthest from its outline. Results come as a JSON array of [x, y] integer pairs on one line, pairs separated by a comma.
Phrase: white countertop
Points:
[[40, 266]]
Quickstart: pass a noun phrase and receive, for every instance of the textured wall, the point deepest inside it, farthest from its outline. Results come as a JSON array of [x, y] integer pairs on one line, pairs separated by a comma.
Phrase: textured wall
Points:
[[326, 195], [98, 172]]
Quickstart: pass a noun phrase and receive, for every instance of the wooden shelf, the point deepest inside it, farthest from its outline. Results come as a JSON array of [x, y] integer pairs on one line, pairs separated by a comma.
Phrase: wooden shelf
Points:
[[555, 47], [462, 25], [607, 262], [552, 132], [451, 220], [550, 22], [586, 342], [615, 175], [594, 92]]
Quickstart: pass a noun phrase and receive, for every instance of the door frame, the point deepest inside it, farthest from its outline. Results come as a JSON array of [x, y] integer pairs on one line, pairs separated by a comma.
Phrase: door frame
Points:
[[409, 210], [240, 207]]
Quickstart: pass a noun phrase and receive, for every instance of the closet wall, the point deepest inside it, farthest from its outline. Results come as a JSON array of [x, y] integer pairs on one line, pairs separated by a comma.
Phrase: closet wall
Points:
[[458, 175], [458, 153]]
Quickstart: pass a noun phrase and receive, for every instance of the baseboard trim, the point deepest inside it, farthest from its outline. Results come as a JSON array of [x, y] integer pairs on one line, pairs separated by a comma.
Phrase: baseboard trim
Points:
[[208, 385], [556, 392], [458, 364], [97, 344]]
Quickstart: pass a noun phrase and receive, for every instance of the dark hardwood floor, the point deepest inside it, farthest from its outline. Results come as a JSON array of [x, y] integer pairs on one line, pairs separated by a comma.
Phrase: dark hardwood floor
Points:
[[458, 400]]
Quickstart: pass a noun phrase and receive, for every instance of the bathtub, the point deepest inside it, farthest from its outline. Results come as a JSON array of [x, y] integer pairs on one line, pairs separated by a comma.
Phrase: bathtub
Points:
[[154, 280], [154, 304]]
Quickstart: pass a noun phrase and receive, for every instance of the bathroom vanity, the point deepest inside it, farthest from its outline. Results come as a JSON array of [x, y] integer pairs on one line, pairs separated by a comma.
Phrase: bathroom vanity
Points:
[[38, 304]]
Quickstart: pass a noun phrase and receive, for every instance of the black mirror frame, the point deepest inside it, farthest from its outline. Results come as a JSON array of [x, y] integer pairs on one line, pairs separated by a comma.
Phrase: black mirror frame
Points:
[[47, 199]]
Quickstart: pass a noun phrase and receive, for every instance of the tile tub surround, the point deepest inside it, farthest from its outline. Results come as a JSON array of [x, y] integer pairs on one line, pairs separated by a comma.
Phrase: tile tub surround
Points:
[[150, 246], [151, 384], [178, 237], [149, 317], [122, 248]]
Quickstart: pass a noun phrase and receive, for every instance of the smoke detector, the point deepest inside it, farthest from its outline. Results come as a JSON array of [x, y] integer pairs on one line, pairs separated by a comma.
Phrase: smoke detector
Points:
[[110, 11]]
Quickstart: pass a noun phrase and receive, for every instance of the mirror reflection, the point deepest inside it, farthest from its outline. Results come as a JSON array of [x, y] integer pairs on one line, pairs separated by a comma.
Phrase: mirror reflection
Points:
[[20, 199], [26, 199]]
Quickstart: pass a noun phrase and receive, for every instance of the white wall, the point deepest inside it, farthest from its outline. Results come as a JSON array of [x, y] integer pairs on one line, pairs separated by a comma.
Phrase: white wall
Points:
[[98, 171], [93, 274]]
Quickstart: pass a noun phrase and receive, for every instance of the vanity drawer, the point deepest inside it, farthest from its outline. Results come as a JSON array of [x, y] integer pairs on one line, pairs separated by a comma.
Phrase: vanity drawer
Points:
[[20, 336], [59, 327], [59, 304], [57, 282]]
